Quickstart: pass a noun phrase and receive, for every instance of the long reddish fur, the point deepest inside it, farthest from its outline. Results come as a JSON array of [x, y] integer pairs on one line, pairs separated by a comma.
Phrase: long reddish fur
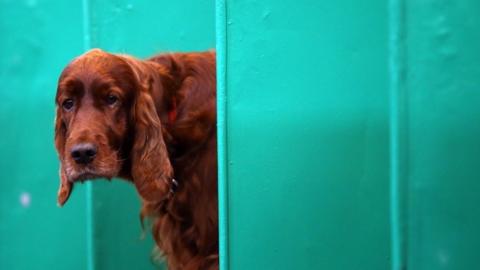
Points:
[[169, 132]]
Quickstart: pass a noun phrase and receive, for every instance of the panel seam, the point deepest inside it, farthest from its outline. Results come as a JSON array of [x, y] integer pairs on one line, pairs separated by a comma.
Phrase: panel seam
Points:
[[221, 47], [398, 133], [90, 232]]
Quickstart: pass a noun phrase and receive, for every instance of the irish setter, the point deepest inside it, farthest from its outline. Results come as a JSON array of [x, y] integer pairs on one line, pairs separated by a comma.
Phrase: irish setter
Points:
[[151, 122]]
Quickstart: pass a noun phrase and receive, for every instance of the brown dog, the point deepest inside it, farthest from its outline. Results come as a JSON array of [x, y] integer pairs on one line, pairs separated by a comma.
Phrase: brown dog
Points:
[[153, 123]]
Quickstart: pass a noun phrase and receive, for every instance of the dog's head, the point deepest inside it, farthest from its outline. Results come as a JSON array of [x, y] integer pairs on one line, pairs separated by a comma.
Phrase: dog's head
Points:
[[107, 123]]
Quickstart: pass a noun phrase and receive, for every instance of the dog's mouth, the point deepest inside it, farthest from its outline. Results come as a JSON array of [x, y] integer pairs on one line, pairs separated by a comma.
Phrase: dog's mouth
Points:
[[85, 177], [70, 176], [87, 174]]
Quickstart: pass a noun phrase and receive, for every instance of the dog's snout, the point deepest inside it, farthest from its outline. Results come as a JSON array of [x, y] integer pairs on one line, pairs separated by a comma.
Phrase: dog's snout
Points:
[[83, 153]]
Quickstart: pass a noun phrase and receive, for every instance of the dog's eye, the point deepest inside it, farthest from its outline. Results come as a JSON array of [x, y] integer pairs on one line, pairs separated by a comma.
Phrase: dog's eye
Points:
[[112, 99], [67, 104]]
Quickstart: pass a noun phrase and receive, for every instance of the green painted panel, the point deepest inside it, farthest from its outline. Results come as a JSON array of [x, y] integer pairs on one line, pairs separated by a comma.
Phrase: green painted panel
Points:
[[443, 123], [351, 134], [144, 28], [38, 39], [307, 134]]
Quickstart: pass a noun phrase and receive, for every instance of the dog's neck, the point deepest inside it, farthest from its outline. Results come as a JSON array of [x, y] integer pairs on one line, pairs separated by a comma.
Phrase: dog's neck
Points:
[[172, 85]]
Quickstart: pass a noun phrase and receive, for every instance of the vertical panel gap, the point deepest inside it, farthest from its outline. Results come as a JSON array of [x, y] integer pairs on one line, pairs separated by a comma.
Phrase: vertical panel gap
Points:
[[89, 189], [398, 133], [221, 46]]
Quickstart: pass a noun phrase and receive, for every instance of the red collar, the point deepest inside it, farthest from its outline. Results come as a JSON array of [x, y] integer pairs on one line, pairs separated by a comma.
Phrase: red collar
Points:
[[172, 114]]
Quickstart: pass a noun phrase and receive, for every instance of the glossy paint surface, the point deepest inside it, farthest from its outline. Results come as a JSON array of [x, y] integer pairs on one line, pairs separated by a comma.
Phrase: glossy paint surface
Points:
[[351, 134]]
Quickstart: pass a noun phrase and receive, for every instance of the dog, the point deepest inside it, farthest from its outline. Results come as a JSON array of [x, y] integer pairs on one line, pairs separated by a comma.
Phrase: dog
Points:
[[153, 123]]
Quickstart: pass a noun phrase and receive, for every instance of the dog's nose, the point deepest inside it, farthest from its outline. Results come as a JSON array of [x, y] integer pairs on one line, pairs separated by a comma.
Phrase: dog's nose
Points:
[[83, 153]]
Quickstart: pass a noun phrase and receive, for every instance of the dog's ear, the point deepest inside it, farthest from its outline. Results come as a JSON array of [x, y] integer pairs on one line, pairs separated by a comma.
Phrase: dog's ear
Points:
[[151, 169], [65, 188]]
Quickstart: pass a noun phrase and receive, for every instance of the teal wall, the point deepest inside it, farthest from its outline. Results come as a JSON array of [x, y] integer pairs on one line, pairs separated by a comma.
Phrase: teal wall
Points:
[[307, 135], [99, 227], [350, 134], [441, 130]]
